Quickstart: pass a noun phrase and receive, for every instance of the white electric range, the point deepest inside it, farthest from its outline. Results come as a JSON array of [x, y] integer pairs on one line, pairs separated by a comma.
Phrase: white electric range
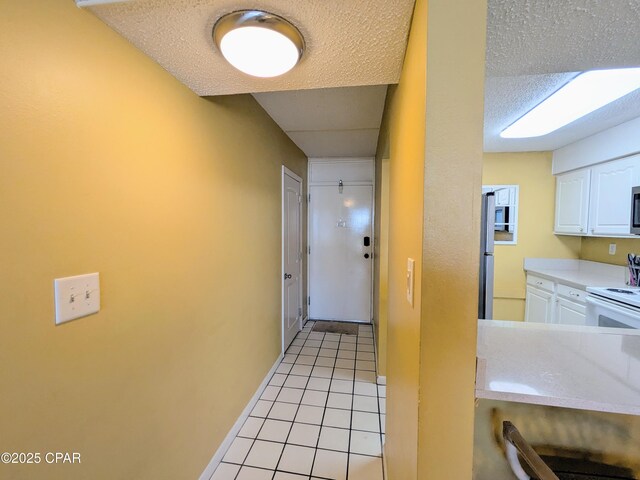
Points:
[[613, 307]]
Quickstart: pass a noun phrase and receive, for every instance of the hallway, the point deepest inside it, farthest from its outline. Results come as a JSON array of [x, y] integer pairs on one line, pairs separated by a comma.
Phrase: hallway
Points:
[[321, 416]]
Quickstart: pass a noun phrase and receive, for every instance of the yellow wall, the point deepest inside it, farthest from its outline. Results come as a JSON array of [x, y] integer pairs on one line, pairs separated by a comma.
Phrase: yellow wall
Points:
[[433, 127], [453, 178], [536, 210], [597, 249], [381, 257], [109, 164], [404, 124]]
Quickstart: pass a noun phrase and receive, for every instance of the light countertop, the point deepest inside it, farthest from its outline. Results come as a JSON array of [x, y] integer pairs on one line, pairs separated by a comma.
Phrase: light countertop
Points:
[[577, 273], [588, 368]]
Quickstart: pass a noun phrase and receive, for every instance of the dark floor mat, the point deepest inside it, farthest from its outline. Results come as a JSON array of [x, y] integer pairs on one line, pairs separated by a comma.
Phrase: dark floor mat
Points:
[[335, 327]]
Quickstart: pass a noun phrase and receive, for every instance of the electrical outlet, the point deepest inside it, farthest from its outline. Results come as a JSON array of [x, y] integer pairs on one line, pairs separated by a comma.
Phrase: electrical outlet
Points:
[[612, 249], [77, 296]]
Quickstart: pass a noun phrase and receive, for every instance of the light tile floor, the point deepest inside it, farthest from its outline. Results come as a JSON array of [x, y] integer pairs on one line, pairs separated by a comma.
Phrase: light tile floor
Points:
[[321, 416]]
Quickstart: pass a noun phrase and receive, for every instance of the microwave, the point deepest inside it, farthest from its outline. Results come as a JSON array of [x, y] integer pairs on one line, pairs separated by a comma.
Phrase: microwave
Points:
[[635, 210]]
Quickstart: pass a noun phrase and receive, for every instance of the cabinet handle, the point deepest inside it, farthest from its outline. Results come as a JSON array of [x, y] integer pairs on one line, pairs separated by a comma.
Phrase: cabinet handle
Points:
[[538, 283], [581, 229], [574, 294]]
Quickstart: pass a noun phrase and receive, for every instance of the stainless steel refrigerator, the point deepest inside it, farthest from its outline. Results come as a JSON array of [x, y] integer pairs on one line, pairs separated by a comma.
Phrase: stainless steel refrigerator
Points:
[[487, 229]]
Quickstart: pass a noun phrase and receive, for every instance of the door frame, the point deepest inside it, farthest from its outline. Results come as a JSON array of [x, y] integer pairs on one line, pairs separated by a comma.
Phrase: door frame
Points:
[[286, 171], [373, 238]]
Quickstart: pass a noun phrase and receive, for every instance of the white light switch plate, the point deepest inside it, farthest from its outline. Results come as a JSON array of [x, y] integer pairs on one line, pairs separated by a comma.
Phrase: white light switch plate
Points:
[[410, 269], [77, 296]]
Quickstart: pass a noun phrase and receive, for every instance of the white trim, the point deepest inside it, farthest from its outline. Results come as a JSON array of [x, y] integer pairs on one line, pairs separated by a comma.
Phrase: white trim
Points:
[[90, 3], [286, 171], [340, 170], [228, 440], [616, 142], [381, 380], [373, 240], [341, 159], [384, 456]]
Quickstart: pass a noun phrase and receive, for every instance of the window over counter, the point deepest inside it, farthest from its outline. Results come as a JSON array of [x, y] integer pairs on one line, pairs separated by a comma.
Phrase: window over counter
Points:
[[506, 216]]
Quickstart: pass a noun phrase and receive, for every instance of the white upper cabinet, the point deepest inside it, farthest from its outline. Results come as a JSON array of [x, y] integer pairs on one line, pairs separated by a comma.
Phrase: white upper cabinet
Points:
[[597, 200], [610, 204], [572, 202]]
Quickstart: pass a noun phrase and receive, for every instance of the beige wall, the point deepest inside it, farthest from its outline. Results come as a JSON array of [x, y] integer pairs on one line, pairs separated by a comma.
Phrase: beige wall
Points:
[[597, 249], [405, 120], [109, 164], [453, 178], [531, 171], [433, 126]]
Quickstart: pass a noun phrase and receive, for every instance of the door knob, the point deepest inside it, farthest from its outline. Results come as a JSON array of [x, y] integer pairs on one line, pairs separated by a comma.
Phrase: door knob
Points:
[[287, 275], [366, 255]]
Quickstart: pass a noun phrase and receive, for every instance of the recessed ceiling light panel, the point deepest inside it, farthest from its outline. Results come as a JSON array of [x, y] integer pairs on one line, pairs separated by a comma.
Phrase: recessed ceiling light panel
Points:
[[584, 94], [258, 43]]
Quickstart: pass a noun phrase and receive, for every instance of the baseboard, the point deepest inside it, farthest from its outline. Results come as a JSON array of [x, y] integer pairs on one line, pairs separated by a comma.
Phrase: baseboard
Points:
[[228, 440], [384, 461], [382, 380]]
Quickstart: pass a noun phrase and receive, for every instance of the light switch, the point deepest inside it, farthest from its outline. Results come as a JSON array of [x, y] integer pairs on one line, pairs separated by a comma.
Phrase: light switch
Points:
[[410, 269], [77, 296], [612, 249]]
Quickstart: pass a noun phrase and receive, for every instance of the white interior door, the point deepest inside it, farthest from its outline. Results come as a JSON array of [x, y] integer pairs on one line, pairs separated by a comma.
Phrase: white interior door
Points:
[[291, 257], [340, 257]]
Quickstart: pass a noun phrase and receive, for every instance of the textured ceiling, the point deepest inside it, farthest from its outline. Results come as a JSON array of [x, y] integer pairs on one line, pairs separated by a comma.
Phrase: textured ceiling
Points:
[[330, 122], [535, 46], [349, 42]]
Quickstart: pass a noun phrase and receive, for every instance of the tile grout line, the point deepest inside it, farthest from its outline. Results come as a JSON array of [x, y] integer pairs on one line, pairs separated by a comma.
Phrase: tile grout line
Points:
[[275, 469], [353, 393], [253, 442], [280, 388], [298, 409], [326, 403]]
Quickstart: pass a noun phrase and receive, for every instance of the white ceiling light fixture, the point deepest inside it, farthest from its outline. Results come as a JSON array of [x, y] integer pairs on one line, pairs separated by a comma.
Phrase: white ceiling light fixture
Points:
[[584, 94], [258, 43]]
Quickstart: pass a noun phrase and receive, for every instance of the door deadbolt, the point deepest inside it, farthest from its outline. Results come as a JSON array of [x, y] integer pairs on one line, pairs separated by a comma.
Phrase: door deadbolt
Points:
[[366, 255], [287, 275]]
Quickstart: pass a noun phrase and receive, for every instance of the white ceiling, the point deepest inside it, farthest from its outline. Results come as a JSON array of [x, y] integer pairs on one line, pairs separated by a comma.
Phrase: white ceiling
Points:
[[533, 48], [349, 43], [536, 46], [329, 122]]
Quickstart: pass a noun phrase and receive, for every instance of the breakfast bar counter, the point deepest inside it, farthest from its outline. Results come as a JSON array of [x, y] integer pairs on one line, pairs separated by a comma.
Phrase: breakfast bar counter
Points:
[[589, 368]]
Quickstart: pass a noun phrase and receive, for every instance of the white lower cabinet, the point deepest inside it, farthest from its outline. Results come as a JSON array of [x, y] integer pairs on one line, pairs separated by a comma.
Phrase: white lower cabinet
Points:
[[539, 305], [550, 301], [570, 313]]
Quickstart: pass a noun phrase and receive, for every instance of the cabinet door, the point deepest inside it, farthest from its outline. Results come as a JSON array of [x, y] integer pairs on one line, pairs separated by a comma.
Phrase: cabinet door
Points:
[[570, 313], [610, 204], [572, 202], [538, 306]]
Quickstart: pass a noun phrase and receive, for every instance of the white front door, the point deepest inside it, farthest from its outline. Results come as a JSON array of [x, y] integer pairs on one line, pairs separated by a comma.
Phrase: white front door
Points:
[[340, 258], [291, 257]]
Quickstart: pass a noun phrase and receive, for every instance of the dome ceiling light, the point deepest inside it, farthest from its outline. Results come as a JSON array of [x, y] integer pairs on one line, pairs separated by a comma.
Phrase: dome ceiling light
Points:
[[258, 43]]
